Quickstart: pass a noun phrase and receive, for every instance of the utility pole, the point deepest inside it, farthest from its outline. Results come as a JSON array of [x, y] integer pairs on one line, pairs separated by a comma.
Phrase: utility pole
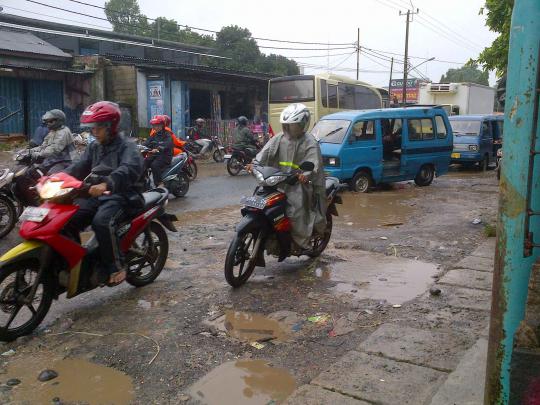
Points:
[[358, 55], [405, 62], [390, 82]]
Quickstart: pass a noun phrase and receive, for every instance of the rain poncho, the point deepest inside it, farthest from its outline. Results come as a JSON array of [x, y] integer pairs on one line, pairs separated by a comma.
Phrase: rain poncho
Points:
[[306, 202], [57, 147]]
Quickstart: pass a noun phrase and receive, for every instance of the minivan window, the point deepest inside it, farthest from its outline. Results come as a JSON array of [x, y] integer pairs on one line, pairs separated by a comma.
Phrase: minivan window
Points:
[[363, 131], [330, 131], [421, 129], [442, 132], [463, 127]]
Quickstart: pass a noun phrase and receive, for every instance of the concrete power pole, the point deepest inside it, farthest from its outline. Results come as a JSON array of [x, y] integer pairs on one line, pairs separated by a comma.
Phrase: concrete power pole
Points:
[[358, 55], [405, 61], [390, 82]]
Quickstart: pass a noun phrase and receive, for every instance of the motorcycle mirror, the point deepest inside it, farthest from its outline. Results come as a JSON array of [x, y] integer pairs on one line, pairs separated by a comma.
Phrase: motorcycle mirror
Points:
[[102, 170], [307, 166]]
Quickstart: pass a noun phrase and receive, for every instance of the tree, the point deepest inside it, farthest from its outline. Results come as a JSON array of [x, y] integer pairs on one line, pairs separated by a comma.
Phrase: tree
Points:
[[237, 44], [125, 16], [278, 65], [499, 16], [468, 73]]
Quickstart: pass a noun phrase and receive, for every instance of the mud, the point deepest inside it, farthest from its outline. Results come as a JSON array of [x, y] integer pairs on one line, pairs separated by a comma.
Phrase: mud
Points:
[[78, 381], [244, 382]]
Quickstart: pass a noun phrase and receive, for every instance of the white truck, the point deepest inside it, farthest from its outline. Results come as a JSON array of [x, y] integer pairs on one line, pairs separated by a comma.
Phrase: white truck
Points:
[[459, 98]]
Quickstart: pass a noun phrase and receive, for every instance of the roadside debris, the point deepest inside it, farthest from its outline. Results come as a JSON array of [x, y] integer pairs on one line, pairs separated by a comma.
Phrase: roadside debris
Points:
[[396, 306], [383, 238], [13, 382], [476, 221], [47, 375], [257, 345], [319, 319], [435, 291], [10, 352]]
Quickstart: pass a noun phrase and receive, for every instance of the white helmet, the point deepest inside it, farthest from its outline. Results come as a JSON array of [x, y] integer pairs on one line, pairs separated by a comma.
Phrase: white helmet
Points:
[[296, 114]]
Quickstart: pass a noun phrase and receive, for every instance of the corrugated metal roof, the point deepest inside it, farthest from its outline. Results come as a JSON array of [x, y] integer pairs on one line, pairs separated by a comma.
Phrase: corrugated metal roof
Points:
[[25, 42]]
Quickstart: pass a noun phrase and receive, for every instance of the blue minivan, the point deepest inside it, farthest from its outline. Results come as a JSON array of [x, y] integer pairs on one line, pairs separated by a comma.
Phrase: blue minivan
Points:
[[476, 138], [387, 145]]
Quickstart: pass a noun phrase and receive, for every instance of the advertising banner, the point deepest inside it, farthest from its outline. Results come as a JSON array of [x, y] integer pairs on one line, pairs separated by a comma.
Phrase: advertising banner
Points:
[[396, 90]]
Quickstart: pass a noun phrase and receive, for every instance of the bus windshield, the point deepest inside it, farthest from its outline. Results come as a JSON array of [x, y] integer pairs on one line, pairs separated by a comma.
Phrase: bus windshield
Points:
[[330, 131], [460, 127], [292, 90]]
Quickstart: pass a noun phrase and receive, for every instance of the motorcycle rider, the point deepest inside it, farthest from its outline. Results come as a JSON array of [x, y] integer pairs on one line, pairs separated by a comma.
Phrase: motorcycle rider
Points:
[[307, 198], [161, 145], [178, 143], [113, 194], [244, 139], [57, 149]]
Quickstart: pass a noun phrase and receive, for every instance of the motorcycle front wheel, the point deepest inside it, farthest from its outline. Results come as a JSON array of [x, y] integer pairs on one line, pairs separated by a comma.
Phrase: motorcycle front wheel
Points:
[[218, 155], [320, 243], [192, 170], [180, 186], [148, 255], [8, 215], [234, 166], [238, 266], [18, 316]]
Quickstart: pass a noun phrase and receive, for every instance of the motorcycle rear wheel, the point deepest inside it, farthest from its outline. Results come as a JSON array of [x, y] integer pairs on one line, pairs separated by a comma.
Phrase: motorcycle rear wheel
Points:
[[154, 244], [17, 280], [320, 243], [234, 166], [8, 216], [179, 187], [240, 251], [192, 170]]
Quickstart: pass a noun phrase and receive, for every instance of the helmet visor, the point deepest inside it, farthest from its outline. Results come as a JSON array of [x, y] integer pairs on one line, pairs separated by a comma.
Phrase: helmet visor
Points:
[[90, 125]]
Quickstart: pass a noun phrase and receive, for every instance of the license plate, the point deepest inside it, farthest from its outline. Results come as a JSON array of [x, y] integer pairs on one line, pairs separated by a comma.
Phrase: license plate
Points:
[[254, 202], [227, 156], [455, 155], [34, 214]]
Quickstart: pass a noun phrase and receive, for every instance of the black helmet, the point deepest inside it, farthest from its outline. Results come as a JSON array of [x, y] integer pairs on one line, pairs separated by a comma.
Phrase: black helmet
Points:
[[242, 120]]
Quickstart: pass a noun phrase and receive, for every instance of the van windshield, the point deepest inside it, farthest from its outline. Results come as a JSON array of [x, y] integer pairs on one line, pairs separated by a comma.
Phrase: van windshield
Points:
[[330, 131], [460, 128]]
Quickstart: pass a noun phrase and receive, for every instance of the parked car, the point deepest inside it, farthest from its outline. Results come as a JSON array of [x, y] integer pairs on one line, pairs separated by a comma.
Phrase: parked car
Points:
[[369, 147], [477, 138]]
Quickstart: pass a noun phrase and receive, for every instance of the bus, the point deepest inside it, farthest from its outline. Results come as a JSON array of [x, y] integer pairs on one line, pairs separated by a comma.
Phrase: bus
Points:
[[323, 94]]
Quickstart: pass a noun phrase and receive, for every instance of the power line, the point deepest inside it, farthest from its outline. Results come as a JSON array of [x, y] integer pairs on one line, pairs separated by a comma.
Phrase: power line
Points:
[[213, 31], [318, 56], [306, 49], [343, 61]]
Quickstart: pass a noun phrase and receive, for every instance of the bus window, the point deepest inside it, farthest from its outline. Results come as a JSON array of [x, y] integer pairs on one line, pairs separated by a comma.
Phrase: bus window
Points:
[[346, 97], [324, 93], [292, 90], [365, 98], [332, 96]]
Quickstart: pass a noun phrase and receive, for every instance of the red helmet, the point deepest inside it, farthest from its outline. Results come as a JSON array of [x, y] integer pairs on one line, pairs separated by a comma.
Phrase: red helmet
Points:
[[158, 120], [103, 112], [167, 120]]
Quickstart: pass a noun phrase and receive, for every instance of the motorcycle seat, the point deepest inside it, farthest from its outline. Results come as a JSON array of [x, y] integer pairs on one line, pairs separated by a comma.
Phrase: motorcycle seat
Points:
[[151, 198], [331, 183]]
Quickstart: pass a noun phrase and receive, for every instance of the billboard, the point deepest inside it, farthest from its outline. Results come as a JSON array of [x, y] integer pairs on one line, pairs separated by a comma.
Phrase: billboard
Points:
[[396, 90]]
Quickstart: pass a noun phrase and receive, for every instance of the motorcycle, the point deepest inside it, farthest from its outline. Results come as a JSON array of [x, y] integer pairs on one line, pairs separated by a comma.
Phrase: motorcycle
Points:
[[212, 146], [48, 263], [238, 159], [265, 225], [17, 189], [175, 177]]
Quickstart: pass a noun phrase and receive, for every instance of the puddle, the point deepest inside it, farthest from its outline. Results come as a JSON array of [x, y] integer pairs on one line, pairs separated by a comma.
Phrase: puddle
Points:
[[244, 382], [374, 276], [250, 327], [211, 169], [206, 217], [78, 381], [380, 208]]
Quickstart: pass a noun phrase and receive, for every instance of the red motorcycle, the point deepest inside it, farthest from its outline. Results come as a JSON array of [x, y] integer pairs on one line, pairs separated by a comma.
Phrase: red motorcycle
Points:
[[48, 263]]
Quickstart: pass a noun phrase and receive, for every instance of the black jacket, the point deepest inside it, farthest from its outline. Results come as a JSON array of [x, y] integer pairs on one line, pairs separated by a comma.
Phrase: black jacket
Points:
[[163, 142], [121, 155]]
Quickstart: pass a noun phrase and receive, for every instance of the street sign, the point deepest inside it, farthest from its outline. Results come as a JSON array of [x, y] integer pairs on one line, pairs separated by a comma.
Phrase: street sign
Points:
[[396, 90]]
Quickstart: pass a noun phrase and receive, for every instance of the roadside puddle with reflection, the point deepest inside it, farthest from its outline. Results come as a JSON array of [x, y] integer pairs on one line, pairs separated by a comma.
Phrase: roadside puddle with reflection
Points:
[[78, 381], [244, 382], [251, 327]]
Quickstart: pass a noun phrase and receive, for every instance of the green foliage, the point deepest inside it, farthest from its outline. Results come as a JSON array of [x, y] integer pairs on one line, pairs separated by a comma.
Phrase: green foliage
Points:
[[468, 73], [490, 231], [499, 15], [232, 42]]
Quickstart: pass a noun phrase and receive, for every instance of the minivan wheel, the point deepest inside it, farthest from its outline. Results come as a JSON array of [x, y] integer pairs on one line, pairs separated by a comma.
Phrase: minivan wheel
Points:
[[361, 182], [425, 176]]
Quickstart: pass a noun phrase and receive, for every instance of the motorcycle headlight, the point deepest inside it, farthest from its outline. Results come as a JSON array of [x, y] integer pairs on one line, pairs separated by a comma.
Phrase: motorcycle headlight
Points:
[[52, 189], [473, 148], [273, 180]]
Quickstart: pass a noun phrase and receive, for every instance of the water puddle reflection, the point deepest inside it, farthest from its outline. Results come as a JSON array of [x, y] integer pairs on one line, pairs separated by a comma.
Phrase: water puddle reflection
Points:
[[373, 276], [250, 327], [78, 381], [244, 382], [381, 208]]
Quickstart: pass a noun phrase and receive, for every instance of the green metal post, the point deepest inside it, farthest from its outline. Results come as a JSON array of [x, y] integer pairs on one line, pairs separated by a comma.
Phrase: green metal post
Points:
[[519, 192]]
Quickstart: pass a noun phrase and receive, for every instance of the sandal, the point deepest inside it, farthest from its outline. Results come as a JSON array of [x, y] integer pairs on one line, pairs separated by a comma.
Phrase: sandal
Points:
[[117, 278]]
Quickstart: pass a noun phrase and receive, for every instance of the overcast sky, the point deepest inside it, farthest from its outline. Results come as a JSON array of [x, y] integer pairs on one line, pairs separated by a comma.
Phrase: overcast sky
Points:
[[450, 31]]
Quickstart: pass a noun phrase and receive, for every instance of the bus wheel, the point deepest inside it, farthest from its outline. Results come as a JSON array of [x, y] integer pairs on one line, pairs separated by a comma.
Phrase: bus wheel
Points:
[[425, 176], [361, 182]]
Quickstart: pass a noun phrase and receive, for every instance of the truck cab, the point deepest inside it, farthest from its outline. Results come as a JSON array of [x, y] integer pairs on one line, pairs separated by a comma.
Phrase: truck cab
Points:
[[476, 139]]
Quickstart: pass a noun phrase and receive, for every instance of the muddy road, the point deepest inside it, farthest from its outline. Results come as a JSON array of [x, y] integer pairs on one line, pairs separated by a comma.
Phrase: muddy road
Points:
[[191, 338]]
